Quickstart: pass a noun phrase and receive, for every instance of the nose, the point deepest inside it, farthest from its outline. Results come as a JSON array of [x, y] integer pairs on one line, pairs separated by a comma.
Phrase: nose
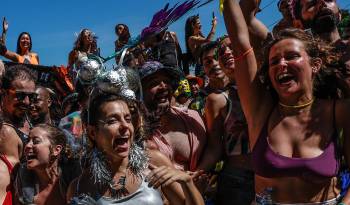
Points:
[[283, 64], [26, 101], [28, 146], [124, 126], [163, 85]]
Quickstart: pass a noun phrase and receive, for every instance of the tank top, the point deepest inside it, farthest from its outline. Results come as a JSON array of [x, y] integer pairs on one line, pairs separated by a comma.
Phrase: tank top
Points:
[[165, 52], [268, 163], [8, 198], [236, 139], [144, 195], [28, 59]]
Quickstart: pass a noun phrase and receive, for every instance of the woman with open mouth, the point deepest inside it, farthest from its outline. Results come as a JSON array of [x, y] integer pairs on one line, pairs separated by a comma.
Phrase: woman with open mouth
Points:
[[117, 169], [23, 53], [40, 180], [293, 133]]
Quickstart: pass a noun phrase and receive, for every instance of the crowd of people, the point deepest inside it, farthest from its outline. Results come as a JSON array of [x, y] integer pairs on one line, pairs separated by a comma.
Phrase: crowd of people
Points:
[[262, 120]]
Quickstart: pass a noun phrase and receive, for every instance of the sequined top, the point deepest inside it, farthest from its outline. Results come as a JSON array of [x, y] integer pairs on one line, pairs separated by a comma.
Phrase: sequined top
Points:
[[144, 195]]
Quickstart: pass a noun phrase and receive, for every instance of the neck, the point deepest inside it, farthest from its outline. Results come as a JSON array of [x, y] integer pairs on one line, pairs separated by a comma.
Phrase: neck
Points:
[[118, 165], [331, 36], [44, 119], [17, 122], [301, 105], [219, 84], [86, 48], [24, 52], [49, 175]]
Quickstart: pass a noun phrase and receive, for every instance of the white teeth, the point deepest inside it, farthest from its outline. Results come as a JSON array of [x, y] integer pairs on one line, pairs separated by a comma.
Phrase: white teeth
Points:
[[283, 75]]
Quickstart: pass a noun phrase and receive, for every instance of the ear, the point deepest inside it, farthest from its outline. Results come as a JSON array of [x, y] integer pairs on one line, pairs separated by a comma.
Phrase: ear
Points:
[[91, 132], [49, 102], [57, 150], [316, 64]]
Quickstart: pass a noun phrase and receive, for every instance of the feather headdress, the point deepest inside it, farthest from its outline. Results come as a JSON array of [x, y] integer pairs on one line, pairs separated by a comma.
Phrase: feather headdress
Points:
[[165, 17]]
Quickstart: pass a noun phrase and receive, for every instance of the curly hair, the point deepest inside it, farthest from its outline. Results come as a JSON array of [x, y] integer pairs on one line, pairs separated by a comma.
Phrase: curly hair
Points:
[[78, 44], [324, 81]]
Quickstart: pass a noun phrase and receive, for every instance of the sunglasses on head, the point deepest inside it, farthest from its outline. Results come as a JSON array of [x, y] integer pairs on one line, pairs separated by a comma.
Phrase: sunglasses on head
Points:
[[21, 95]]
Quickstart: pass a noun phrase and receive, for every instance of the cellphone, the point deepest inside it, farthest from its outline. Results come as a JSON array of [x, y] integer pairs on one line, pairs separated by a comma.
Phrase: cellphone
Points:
[[213, 14]]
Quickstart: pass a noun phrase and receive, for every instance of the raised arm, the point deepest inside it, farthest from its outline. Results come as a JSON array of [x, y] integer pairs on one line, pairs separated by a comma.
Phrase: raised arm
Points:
[[5, 27], [8, 54], [256, 102], [257, 30], [200, 40]]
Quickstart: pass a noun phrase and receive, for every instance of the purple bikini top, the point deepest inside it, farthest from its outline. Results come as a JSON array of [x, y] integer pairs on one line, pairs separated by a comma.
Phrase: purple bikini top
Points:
[[267, 163]]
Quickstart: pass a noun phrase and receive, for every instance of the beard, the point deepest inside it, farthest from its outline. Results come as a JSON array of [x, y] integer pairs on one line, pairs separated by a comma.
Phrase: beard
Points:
[[323, 23]]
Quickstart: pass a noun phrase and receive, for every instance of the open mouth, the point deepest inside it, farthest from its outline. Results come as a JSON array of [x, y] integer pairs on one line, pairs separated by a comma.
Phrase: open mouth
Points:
[[30, 156], [120, 143], [285, 78], [162, 97]]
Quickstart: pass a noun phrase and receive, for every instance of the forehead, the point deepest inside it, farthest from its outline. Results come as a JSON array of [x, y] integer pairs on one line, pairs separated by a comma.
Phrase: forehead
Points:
[[286, 45], [25, 36], [209, 53], [158, 76], [23, 85], [120, 27], [41, 91], [38, 132], [116, 107]]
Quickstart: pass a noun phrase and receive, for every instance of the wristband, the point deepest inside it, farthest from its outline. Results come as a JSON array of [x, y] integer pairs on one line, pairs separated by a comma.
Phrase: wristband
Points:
[[3, 49], [341, 203]]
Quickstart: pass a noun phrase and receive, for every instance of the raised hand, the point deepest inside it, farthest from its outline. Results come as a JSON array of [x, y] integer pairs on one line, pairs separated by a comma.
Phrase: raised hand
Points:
[[5, 25]]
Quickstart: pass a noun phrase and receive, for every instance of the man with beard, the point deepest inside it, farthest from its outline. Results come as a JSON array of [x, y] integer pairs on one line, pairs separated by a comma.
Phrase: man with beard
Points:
[[40, 109], [323, 17], [179, 135], [18, 87]]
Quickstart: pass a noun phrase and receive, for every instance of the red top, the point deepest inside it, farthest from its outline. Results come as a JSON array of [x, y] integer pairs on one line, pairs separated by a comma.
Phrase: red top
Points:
[[8, 198]]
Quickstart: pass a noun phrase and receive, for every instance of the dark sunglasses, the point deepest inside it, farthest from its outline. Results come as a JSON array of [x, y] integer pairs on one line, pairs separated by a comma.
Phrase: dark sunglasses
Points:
[[21, 95]]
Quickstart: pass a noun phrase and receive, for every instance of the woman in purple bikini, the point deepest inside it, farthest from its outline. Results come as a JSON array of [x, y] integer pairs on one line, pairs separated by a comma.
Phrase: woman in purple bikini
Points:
[[292, 133]]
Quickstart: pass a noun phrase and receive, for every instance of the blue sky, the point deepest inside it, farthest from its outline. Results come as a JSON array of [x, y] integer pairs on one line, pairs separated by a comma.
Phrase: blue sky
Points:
[[53, 24]]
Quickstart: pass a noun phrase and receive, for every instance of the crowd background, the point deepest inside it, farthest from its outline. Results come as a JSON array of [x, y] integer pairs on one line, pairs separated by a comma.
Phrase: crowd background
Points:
[[127, 112], [53, 33]]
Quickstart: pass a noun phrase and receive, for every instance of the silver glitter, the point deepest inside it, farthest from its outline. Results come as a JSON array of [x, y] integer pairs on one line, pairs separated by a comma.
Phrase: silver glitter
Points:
[[99, 168], [138, 160]]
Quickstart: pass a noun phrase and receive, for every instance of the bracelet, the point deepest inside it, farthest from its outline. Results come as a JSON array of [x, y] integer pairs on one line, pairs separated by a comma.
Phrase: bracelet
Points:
[[341, 203], [240, 57]]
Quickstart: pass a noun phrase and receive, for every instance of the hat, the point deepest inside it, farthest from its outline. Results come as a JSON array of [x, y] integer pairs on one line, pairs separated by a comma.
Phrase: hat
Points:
[[199, 80], [151, 67]]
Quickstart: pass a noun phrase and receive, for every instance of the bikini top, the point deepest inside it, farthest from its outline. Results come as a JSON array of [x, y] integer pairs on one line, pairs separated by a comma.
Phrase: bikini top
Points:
[[269, 164]]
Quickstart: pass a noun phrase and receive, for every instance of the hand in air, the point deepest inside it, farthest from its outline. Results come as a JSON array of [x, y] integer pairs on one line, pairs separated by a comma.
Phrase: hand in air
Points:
[[5, 25]]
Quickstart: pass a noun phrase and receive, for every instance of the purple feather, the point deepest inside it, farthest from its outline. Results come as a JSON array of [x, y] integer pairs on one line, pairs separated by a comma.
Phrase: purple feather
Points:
[[165, 17]]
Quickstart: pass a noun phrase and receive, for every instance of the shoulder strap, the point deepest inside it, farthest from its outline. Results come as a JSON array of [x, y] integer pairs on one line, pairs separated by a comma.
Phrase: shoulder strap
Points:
[[7, 162]]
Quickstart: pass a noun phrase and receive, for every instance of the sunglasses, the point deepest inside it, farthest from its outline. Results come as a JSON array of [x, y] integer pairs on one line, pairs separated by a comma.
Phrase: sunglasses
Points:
[[21, 95]]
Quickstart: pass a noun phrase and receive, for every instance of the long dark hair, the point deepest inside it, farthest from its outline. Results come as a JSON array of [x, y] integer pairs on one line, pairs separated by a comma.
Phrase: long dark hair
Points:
[[78, 44], [124, 37], [188, 33], [18, 51]]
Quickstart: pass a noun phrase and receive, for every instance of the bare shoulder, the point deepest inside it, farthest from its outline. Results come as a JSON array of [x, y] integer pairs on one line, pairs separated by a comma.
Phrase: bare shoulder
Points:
[[158, 159], [8, 133], [216, 100]]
